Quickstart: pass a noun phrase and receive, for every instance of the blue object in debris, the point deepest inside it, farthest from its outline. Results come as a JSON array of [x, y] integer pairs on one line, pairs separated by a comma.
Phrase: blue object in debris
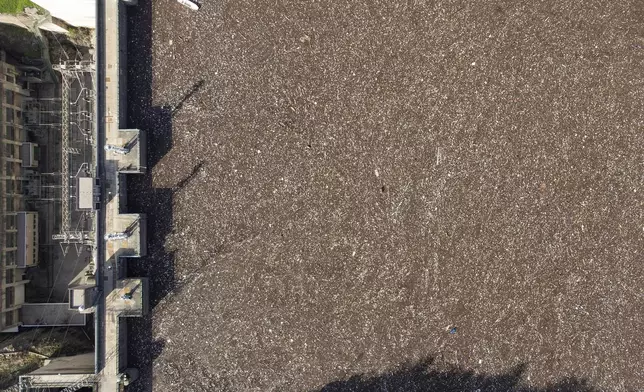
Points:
[[452, 330]]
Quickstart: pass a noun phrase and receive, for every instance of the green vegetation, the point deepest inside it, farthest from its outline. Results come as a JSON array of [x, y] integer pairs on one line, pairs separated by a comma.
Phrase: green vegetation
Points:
[[79, 35], [73, 32], [14, 365], [14, 7]]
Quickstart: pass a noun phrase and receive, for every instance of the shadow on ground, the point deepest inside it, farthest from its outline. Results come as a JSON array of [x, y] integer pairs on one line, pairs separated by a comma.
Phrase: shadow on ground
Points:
[[426, 376]]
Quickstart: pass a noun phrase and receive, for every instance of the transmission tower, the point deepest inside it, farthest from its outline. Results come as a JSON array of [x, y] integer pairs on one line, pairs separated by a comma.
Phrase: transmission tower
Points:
[[77, 107]]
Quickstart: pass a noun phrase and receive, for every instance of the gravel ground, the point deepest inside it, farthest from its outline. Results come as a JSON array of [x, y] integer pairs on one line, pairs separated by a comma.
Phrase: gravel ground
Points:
[[342, 187]]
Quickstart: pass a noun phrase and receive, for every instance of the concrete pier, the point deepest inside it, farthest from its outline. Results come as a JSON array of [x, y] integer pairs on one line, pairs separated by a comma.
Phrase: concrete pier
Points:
[[122, 297]]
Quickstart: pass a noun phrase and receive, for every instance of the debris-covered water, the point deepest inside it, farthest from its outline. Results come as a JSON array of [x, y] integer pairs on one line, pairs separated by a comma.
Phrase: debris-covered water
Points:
[[344, 187]]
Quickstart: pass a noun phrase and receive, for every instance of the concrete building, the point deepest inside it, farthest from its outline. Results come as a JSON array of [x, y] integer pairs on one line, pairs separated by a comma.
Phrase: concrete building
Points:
[[70, 373], [18, 227], [82, 291]]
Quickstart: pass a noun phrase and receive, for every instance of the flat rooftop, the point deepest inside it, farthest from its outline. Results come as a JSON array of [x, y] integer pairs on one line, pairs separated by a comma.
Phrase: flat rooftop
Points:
[[85, 193], [80, 364], [62, 372], [382, 182]]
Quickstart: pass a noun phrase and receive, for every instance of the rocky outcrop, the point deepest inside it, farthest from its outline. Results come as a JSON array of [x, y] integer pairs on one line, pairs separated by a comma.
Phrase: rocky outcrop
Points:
[[20, 41]]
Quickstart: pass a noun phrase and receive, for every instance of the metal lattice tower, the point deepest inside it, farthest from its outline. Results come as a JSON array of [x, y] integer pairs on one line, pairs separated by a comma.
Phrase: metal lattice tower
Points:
[[42, 114], [65, 156], [77, 126]]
